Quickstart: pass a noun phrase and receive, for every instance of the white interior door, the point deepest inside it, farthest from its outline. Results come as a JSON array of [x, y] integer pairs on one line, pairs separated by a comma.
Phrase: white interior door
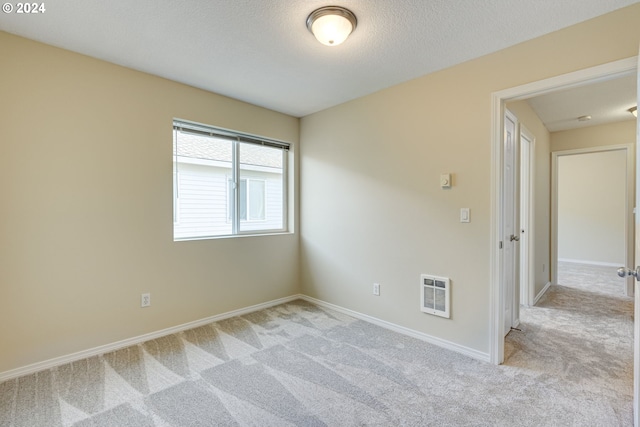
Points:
[[510, 232], [526, 248]]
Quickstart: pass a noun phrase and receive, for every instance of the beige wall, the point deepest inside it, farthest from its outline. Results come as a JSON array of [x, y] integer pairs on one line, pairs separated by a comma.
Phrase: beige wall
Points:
[[372, 207], [542, 188], [85, 177], [619, 133], [86, 186], [591, 207]]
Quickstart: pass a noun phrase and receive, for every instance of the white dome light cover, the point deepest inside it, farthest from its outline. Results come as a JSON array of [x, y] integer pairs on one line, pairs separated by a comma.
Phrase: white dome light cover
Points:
[[331, 25]]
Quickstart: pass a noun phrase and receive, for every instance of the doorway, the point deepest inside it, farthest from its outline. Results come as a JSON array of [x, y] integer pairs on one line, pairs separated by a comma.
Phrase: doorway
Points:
[[610, 71], [580, 78], [592, 194]]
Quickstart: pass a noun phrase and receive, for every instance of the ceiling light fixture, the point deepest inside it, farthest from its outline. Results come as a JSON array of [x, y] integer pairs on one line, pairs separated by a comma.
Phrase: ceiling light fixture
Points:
[[634, 111], [331, 25]]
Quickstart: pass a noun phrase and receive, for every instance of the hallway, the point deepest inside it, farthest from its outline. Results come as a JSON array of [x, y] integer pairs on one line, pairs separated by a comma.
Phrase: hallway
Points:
[[580, 333]]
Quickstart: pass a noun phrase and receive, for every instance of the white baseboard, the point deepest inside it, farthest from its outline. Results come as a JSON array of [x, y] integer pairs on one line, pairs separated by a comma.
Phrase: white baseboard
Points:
[[587, 262], [475, 354], [541, 293], [96, 351], [62, 360]]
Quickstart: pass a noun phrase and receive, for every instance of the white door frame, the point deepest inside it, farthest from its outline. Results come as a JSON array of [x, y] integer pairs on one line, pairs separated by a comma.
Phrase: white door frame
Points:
[[636, 299], [498, 99], [628, 218], [527, 225]]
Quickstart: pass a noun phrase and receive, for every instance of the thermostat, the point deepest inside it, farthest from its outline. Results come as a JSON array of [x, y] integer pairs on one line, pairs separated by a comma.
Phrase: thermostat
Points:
[[445, 180]]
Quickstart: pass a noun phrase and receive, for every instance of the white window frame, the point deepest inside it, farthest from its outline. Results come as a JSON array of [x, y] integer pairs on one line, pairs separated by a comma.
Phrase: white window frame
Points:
[[236, 138], [176, 197], [248, 199]]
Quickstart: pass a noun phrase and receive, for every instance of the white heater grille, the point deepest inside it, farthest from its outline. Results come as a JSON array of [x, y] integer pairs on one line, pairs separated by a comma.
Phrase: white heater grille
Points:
[[434, 295]]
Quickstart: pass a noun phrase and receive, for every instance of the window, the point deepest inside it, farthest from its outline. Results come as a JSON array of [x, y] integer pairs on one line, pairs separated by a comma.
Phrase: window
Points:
[[252, 202], [227, 183]]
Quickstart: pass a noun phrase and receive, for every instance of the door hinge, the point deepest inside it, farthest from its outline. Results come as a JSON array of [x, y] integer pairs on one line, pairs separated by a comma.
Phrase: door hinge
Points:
[[500, 245]]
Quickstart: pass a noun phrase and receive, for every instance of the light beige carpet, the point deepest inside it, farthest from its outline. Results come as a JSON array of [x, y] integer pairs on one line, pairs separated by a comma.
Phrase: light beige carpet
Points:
[[298, 364]]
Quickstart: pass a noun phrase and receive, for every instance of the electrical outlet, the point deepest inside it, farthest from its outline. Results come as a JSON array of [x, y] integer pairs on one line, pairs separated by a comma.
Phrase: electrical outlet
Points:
[[145, 301], [376, 289]]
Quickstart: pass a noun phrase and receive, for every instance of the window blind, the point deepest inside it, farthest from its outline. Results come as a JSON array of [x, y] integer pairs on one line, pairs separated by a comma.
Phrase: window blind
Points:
[[221, 133]]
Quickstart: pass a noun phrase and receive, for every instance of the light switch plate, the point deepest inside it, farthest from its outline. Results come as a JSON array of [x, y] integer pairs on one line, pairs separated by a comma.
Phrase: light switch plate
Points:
[[465, 215]]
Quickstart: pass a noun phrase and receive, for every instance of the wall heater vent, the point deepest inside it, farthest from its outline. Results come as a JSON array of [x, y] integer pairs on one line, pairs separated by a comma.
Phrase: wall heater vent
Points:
[[434, 295]]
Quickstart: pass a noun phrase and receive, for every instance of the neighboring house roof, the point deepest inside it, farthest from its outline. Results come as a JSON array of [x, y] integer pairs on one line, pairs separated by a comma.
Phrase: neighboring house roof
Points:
[[211, 148]]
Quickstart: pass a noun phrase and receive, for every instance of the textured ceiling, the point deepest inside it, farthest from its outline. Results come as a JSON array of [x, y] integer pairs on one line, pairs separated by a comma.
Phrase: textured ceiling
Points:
[[606, 102], [260, 51]]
